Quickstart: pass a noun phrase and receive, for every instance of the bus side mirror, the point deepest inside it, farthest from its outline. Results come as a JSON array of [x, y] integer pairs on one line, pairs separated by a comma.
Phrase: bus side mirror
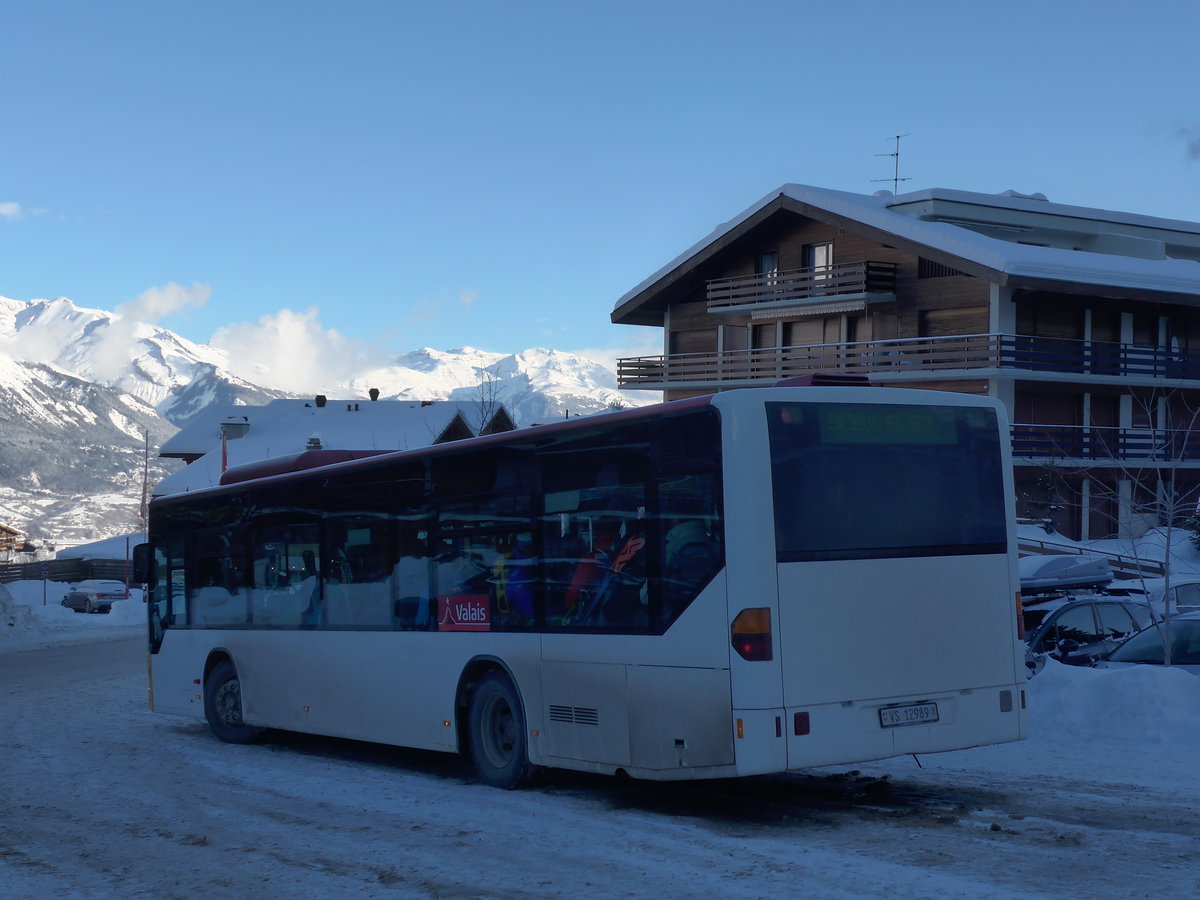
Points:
[[143, 563]]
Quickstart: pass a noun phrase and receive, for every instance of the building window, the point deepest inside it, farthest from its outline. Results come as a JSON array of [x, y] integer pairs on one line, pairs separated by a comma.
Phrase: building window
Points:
[[817, 256], [768, 267]]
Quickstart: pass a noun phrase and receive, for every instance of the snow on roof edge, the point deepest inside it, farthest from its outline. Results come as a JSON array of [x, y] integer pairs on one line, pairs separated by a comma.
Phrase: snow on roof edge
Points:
[[1172, 275]]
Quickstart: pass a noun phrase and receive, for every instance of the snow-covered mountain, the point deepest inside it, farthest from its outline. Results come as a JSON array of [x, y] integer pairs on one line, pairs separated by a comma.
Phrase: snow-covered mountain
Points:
[[173, 375], [534, 385], [80, 388], [72, 453]]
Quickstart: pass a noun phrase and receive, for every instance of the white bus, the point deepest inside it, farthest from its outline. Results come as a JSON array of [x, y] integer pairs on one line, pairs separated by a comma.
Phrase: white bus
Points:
[[752, 582]]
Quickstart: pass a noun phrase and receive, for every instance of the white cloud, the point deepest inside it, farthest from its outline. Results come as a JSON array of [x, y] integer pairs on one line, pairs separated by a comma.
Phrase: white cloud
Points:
[[468, 298], [641, 342], [12, 210], [158, 302], [111, 354], [293, 351]]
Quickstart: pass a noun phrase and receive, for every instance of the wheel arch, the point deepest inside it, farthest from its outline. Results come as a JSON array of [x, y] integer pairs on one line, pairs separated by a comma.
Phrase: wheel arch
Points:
[[472, 672], [216, 656]]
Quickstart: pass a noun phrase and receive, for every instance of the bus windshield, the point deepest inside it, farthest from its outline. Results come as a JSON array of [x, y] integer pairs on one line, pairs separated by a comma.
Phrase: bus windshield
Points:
[[875, 480]]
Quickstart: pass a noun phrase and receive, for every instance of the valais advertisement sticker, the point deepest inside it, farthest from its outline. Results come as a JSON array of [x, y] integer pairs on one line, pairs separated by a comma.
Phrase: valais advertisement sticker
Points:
[[464, 612]]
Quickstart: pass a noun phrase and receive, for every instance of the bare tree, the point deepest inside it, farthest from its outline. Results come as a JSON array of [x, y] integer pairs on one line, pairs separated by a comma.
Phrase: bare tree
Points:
[[487, 397], [1139, 487]]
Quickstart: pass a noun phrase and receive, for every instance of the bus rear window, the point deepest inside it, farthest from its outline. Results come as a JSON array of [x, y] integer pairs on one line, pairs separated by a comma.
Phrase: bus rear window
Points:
[[865, 481]]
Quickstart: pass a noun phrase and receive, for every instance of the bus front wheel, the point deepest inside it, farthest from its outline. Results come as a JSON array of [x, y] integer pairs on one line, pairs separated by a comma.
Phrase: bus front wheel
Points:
[[223, 706], [498, 743]]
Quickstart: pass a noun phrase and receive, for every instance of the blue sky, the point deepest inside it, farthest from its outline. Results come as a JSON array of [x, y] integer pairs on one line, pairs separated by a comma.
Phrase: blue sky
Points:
[[381, 176]]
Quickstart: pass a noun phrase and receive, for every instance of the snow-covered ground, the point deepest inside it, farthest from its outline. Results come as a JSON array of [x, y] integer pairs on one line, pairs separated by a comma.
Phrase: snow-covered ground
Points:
[[32, 615], [103, 798]]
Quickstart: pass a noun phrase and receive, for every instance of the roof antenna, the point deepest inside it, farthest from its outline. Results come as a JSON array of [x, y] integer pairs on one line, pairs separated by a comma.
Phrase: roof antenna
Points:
[[895, 179]]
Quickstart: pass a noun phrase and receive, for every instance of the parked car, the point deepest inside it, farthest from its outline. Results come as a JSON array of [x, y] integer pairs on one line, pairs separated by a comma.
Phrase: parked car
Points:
[[1094, 624], [1146, 647], [1184, 595], [94, 595]]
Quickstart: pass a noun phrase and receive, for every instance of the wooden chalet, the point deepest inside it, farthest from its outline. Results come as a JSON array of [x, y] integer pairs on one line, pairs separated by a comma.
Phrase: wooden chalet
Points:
[[1085, 323], [10, 539]]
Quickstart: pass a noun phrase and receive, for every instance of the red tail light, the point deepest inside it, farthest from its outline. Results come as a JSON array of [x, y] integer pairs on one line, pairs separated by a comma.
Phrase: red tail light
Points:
[[751, 634]]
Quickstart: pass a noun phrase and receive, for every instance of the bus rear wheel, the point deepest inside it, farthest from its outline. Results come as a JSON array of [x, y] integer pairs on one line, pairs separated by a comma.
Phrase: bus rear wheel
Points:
[[223, 706], [497, 733]]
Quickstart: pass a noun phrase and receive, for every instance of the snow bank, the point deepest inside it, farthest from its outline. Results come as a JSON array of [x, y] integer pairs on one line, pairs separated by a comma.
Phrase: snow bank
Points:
[[1129, 705], [32, 615]]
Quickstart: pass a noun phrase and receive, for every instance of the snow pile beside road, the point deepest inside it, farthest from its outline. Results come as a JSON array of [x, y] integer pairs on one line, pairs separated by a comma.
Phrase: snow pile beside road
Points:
[[32, 614], [1136, 725], [1129, 705], [15, 618]]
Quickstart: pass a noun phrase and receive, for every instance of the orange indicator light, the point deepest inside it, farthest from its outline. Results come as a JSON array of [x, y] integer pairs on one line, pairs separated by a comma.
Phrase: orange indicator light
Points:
[[750, 633]]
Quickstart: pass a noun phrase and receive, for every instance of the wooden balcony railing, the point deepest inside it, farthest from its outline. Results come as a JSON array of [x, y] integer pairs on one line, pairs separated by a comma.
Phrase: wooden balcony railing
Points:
[[799, 285], [911, 355], [1067, 442], [1123, 565]]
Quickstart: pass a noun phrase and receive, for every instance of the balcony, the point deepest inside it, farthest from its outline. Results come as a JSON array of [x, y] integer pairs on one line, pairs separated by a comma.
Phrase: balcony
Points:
[[814, 286], [1083, 444], [913, 359]]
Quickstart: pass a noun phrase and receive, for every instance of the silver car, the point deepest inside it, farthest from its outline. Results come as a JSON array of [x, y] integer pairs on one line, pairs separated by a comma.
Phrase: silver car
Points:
[[94, 595]]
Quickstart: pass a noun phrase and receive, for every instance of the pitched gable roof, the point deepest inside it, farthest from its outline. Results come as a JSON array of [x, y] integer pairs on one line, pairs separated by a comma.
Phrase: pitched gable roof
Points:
[[1122, 250]]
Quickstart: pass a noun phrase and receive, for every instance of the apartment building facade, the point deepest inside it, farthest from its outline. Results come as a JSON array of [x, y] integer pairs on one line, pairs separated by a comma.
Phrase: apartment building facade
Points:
[[1085, 323]]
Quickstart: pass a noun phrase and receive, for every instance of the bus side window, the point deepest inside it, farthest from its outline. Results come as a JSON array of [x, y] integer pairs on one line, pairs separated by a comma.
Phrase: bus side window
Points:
[[622, 597], [597, 576], [689, 525], [357, 592], [691, 556], [483, 531], [284, 592], [513, 583], [410, 580], [214, 579], [464, 567]]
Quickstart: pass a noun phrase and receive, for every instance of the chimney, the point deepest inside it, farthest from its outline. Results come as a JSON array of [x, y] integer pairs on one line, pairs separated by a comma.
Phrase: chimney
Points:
[[320, 401], [373, 393]]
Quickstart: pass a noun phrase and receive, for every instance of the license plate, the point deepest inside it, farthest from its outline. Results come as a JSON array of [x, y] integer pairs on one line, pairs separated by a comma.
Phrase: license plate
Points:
[[911, 714]]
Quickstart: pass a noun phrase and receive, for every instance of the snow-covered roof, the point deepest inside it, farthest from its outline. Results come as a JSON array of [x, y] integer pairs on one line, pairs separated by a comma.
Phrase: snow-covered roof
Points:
[[109, 548], [287, 427], [1120, 249]]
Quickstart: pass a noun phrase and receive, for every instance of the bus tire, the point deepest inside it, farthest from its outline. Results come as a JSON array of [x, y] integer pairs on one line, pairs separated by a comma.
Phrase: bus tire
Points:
[[499, 746], [223, 706]]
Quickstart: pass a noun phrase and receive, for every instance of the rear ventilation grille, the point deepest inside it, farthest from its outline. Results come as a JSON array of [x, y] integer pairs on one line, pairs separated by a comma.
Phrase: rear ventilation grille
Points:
[[574, 715]]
